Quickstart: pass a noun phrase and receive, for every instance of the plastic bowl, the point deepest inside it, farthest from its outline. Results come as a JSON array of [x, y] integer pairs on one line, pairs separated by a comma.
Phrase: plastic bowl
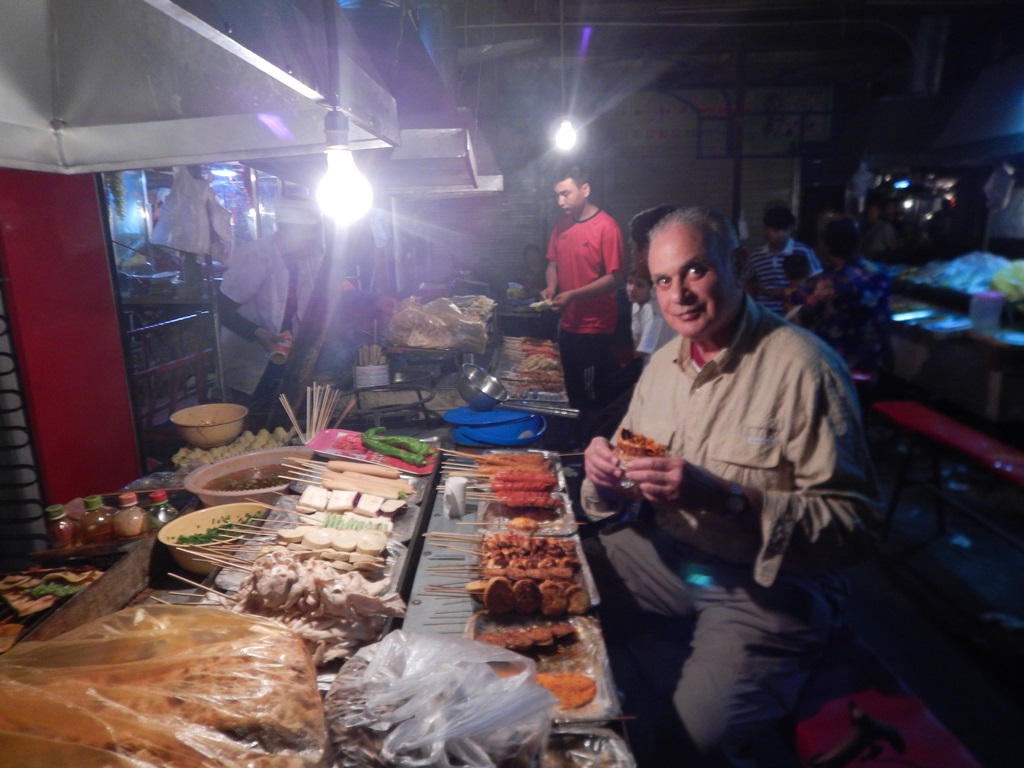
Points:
[[210, 425], [510, 434], [200, 522], [198, 481]]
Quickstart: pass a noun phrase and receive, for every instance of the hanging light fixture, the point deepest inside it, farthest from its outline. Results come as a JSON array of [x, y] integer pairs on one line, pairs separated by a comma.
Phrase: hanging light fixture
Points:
[[565, 136], [344, 194]]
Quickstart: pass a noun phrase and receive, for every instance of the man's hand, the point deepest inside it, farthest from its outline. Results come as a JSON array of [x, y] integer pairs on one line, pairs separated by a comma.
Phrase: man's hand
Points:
[[671, 480], [658, 479], [268, 340], [562, 300], [602, 469], [548, 294]]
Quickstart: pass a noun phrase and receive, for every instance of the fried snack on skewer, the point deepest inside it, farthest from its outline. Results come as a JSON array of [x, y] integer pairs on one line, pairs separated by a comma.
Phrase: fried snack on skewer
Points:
[[517, 499], [632, 445], [525, 525], [557, 598]]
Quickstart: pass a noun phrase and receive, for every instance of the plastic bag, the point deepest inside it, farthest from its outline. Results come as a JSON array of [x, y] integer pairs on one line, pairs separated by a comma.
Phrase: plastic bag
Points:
[[439, 701], [192, 219], [1009, 281], [168, 686], [437, 325]]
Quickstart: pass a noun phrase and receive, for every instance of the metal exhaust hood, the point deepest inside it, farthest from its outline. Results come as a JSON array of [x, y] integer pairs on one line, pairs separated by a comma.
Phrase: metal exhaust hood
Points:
[[441, 151], [116, 84]]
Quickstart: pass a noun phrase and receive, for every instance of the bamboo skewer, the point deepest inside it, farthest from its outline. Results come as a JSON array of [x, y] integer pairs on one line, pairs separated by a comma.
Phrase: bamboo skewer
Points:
[[226, 561], [201, 586]]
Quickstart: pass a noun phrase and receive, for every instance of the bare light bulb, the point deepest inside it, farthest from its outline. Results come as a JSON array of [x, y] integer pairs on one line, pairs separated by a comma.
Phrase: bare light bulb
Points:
[[565, 136], [344, 193]]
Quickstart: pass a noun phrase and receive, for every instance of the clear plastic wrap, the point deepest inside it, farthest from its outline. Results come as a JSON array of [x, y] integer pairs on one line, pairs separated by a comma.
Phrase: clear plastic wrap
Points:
[[424, 700], [163, 686], [437, 325]]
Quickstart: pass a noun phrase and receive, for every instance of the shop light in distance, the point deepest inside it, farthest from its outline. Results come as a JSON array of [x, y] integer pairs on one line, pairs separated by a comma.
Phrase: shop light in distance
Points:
[[344, 194]]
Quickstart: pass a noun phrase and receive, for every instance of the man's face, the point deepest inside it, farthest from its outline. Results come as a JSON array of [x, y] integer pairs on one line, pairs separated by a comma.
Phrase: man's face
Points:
[[698, 296], [572, 199], [777, 238]]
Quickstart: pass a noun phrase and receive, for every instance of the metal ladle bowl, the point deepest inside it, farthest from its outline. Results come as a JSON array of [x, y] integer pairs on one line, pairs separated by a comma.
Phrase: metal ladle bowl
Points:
[[483, 392]]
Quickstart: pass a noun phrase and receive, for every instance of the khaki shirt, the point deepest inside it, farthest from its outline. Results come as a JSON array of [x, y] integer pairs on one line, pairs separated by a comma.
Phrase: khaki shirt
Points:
[[776, 410]]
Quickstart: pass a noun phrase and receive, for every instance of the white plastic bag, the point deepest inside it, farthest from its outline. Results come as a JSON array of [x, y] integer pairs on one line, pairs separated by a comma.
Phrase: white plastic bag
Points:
[[444, 701], [191, 218]]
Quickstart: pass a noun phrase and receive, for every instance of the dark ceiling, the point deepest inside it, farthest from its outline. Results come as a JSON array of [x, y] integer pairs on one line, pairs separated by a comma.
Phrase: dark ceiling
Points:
[[881, 45]]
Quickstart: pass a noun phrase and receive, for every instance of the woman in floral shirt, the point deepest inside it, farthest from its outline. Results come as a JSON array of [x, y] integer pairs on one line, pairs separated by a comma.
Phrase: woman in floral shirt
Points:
[[849, 307]]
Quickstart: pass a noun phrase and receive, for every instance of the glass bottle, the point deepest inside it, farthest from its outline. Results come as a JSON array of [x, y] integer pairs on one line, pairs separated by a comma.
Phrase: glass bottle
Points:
[[59, 527], [160, 510], [130, 520], [96, 526]]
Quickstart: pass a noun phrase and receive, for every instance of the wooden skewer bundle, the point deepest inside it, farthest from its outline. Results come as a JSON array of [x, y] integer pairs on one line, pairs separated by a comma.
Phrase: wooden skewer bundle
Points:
[[321, 401], [371, 354]]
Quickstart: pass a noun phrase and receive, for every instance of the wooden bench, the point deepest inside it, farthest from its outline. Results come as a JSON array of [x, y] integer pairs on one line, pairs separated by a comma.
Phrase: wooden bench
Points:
[[940, 431]]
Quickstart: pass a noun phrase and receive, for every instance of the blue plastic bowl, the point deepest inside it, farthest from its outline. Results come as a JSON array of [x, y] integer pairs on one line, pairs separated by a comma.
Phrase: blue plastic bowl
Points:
[[512, 434]]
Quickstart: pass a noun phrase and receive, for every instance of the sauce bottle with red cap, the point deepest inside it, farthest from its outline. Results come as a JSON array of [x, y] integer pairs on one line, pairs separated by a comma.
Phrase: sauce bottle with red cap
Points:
[[160, 510], [130, 520]]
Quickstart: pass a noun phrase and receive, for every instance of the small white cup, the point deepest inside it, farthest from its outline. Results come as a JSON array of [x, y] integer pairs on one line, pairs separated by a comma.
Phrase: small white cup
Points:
[[455, 497]]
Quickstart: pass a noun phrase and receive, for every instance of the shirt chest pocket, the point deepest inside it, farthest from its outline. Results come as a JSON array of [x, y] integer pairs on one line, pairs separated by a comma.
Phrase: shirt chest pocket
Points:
[[756, 448]]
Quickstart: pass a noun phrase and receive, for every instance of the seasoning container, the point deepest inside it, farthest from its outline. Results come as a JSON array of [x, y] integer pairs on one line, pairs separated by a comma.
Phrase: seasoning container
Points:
[[280, 351], [96, 526], [130, 520], [160, 510], [61, 529]]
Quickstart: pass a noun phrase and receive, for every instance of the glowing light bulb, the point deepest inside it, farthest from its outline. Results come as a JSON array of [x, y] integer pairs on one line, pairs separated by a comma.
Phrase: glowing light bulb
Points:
[[344, 193], [565, 137]]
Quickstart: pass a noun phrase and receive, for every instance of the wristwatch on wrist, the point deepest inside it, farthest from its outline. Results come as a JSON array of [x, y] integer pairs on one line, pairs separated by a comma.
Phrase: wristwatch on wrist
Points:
[[736, 500]]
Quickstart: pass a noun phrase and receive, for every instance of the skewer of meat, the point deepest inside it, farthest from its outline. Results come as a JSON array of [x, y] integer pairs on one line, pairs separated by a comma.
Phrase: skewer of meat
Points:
[[532, 484], [531, 499]]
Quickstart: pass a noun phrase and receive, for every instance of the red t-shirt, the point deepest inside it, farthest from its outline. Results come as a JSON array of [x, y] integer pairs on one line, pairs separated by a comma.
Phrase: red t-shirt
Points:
[[584, 251]]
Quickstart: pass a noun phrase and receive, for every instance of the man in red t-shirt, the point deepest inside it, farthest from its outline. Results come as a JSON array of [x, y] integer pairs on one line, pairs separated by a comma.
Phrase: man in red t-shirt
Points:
[[585, 265]]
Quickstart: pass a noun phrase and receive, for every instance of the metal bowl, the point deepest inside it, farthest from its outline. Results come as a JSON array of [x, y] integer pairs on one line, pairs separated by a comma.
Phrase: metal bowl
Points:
[[479, 389]]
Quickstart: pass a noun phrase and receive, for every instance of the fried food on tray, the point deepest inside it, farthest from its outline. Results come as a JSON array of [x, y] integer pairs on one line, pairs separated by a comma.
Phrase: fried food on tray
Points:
[[538, 636], [525, 596], [553, 598], [633, 445], [498, 595], [571, 688]]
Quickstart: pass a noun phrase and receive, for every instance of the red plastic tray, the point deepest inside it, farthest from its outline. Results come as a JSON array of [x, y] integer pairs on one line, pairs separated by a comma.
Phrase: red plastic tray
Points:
[[345, 444]]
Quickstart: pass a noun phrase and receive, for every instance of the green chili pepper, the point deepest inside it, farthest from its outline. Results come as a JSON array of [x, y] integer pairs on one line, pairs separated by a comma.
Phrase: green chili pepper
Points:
[[406, 443], [386, 449]]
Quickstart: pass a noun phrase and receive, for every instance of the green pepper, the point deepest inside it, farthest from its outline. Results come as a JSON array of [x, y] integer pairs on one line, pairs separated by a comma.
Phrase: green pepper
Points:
[[377, 445], [405, 443]]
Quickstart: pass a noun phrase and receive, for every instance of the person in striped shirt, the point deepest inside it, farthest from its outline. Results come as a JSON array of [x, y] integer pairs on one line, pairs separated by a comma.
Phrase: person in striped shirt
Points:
[[765, 278]]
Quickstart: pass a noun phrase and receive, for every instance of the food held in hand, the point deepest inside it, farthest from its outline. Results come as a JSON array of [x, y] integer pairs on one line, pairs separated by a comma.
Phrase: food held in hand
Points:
[[633, 445]]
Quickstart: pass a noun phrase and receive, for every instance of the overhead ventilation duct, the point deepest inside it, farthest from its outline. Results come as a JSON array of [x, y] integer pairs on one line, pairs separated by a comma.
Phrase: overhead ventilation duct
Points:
[[115, 84], [441, 151]]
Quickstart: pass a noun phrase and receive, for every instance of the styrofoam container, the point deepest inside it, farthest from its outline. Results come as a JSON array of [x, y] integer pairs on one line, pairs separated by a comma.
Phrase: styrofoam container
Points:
[[986, 310]]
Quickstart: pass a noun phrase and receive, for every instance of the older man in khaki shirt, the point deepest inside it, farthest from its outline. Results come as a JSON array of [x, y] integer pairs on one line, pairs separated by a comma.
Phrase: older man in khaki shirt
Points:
[[767, 488]]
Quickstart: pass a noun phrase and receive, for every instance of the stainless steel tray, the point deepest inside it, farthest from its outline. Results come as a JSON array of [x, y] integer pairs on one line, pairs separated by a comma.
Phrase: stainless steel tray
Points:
[[585, 654], [577, 747]]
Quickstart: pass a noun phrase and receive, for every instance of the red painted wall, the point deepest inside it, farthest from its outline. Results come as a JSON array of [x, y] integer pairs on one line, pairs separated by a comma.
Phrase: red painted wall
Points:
[[64, 325]]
